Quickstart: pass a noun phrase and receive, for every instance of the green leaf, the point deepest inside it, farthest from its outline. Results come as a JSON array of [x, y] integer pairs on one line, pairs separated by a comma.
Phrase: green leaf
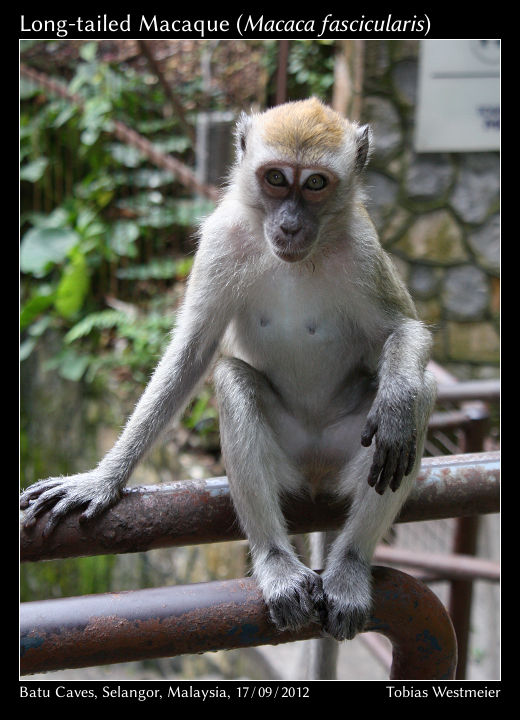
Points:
[[44, 247], [94, 110], [27, 347], [64, 115], [72, 366], [40, 326], [126, 155], [33, 307], [174, 144], [34, 170], [88, 51], [28, 88], [56, 219], [86, 216], [122, 237], [158, 269], [90, 135], [100, 321], [73, 286]]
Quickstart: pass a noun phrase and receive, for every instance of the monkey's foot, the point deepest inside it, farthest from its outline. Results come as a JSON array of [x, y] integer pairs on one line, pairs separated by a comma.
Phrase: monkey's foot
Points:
[[300, 604], [347, 599], [294, 595], [345, 620]]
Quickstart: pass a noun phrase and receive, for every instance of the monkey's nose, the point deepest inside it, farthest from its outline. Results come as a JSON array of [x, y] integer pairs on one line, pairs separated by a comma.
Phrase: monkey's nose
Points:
[[289, 228]]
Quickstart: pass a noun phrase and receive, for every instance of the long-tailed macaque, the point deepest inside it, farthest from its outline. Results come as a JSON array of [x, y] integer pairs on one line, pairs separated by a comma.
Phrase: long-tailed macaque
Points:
[[320, 364]]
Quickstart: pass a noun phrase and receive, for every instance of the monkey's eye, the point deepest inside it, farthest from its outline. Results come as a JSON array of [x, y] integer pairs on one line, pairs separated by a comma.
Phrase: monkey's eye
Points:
[[276, 178], [315, 182]]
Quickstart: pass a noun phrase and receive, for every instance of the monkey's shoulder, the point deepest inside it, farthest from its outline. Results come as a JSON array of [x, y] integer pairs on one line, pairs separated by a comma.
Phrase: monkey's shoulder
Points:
[[227, 235]]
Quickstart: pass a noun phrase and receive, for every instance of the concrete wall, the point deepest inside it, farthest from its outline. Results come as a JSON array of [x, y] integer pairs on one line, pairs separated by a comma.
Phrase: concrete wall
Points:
[[437, 214]]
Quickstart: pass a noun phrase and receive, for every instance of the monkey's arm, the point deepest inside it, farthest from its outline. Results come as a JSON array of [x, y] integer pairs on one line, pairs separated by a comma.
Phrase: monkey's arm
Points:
[[403, 400], [201, 323]]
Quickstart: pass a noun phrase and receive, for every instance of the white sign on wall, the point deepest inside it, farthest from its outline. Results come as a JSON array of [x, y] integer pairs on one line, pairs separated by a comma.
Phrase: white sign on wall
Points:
[[458, 104]]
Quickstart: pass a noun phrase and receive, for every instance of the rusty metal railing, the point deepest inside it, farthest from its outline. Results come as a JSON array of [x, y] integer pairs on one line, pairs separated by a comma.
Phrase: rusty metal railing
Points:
[[201, 511], [115, 627], [163, 622], [465, 408]]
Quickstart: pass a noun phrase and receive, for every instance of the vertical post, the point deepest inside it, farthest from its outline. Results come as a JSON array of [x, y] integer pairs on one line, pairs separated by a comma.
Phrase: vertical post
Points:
[[348, 78], [343, 90], [281, 72], [321, 654], [465, 542]]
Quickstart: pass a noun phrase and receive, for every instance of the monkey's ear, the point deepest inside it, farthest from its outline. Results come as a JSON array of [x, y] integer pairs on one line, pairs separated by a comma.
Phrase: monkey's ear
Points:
[[241, 132], [363, 146]]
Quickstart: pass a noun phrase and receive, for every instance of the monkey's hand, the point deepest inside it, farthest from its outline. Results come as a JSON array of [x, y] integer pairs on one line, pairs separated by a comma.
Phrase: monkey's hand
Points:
[[393, 425], [60, 495]]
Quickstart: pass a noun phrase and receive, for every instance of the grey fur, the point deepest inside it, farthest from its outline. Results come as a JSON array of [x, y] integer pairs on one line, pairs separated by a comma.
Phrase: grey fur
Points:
[[321, 378]]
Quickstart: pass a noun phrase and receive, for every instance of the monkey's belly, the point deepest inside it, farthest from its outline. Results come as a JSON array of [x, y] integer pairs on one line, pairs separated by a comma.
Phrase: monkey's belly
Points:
[[323, 454], [320, 471]]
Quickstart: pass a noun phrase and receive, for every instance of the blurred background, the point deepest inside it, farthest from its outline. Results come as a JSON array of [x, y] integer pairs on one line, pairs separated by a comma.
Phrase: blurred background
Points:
[[122, 144]]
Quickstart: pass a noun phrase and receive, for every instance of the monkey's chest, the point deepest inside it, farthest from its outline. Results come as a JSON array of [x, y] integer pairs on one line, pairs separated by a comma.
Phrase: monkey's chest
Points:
[[292, 317], [292, 331]]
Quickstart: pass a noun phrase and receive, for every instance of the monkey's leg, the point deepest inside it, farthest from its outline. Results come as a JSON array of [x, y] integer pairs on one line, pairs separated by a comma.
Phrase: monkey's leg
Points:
[[347, 575], [258, 471]]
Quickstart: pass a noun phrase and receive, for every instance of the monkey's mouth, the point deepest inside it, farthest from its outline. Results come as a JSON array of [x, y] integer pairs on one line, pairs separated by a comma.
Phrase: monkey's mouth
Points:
[[291, 256]]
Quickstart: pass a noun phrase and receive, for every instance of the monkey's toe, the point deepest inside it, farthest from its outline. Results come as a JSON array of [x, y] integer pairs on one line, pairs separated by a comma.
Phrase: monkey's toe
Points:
[[298, 604], [345, 621], [290, 613]]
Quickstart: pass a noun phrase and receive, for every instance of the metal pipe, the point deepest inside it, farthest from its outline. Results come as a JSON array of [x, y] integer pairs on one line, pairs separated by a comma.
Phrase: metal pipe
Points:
[[201, 511], [466, 539], [444, 420], [480, 390], [461, 590], [456, 567], [164, 622]]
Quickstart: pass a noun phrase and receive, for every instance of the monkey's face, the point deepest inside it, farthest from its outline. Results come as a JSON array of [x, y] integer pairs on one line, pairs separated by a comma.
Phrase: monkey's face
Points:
[[297, 167], [294, 198]]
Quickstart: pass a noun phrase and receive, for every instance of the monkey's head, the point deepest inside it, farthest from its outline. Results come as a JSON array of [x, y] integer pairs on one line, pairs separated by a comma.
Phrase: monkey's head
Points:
[[297, 165]]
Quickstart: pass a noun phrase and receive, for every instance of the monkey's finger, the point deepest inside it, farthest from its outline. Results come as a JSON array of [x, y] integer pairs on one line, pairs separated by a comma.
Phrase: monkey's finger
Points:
[[320, 605], [411, 456], [316, 593], [387, 472], [95, 508], [40, 506], [57, 513], [368, 433], [378, 463], [24, 502], [399, 473], [36, 490], [50, 525]]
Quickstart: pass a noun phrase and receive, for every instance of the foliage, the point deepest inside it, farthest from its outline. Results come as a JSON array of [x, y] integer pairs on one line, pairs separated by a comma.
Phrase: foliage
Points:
[[89, 206], [97, 219], [310, 68], [65, 578]]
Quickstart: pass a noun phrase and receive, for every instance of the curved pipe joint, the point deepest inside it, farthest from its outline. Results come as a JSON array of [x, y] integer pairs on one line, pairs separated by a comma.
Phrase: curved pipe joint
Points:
[[163, 622]]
